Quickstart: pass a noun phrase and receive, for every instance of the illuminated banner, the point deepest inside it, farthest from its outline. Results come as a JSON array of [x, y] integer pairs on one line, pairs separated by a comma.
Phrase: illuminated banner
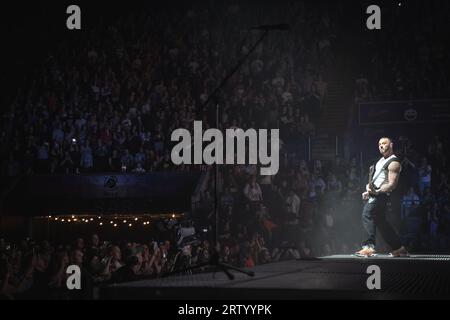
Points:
[[102, 193], [420, 111], [100, 186]]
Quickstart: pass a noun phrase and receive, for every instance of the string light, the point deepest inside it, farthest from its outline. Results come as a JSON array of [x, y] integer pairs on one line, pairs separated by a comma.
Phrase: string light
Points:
[[131, 220]]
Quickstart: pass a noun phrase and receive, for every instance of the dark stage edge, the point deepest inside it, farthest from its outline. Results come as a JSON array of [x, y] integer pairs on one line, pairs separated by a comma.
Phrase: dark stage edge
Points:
[[332, 277]]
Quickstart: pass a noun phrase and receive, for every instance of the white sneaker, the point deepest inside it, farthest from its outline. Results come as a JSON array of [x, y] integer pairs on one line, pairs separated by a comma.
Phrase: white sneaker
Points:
[[366, 252]]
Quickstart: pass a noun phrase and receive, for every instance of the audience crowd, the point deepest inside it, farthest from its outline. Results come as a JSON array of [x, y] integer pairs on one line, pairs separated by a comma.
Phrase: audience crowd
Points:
[[109, 100], [413, 62]]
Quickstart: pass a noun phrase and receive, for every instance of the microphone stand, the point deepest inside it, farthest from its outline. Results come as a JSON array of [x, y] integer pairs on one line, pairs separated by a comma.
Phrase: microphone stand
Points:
[[214, 260]]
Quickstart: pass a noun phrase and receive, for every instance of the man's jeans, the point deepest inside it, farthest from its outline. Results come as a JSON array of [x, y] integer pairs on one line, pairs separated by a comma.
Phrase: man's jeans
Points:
[[373, 218]]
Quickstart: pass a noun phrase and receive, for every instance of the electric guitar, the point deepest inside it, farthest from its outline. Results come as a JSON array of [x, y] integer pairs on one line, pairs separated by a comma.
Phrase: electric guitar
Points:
[[372, 188]]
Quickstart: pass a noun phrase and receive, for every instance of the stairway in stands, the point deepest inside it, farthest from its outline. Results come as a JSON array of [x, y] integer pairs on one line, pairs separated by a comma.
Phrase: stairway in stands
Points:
[[336, 110], [334, 119]]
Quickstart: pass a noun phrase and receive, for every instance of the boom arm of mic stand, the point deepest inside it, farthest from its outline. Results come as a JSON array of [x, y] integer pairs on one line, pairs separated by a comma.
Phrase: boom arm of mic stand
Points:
[[214, 261]]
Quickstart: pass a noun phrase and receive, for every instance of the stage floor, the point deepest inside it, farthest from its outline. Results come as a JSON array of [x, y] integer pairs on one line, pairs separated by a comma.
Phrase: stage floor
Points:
[[332, 277]]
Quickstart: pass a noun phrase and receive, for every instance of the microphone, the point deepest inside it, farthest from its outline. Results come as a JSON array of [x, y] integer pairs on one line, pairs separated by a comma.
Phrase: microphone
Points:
[[281, 26]]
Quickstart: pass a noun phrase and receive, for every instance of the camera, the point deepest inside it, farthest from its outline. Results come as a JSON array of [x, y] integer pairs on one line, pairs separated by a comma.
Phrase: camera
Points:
[[187, 234]]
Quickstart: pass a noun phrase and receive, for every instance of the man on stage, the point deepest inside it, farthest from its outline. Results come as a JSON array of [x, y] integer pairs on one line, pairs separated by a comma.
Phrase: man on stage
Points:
[[383, 179]]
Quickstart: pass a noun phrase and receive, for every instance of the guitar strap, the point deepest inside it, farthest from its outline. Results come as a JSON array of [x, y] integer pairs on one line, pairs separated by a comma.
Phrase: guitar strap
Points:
[[385, 166]]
